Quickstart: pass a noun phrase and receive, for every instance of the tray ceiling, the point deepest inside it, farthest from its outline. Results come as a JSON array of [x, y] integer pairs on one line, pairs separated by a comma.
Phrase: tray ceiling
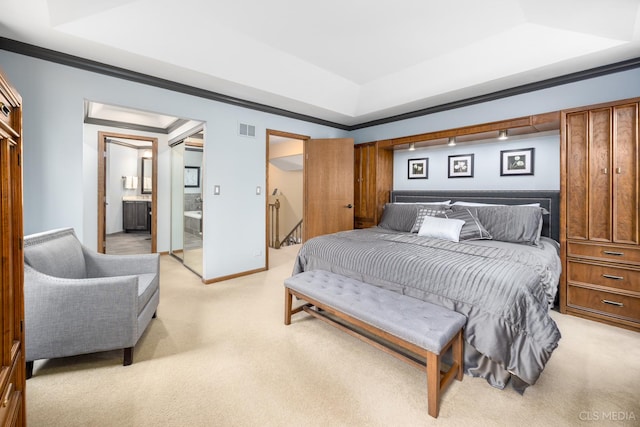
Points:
[[345, 62]]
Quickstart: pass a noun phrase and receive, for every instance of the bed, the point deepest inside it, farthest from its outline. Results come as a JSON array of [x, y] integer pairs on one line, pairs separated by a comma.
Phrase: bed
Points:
[[505, 285]]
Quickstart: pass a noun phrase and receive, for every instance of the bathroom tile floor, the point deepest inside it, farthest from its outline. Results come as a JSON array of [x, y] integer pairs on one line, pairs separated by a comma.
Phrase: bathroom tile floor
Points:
[[128, 243]]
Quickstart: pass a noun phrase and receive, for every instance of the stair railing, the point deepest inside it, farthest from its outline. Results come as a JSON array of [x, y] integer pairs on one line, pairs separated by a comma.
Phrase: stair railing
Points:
[[294, 237], [274, 224]]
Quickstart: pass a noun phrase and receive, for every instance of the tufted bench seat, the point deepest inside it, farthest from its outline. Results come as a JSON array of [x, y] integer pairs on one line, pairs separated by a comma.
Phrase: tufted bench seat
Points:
[[422, 328]]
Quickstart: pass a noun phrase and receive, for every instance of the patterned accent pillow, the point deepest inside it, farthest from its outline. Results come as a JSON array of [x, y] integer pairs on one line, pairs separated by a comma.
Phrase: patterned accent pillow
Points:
[[472, 228], [424, 211]]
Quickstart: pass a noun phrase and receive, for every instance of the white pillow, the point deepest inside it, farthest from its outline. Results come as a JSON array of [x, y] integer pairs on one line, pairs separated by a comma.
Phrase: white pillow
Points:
[[490, 204], [441, 228]]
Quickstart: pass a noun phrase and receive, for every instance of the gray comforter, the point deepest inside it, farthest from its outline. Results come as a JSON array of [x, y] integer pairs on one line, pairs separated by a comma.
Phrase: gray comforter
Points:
[[503, 292]]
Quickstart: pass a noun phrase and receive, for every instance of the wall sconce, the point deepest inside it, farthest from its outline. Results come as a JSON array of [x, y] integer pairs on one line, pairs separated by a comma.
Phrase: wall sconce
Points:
[[452, 141], [502, 135], [412, 146]]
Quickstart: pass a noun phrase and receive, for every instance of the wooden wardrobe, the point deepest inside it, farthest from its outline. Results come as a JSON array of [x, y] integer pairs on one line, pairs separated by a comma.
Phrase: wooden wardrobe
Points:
[[12, 372], [600, 193], [373, 180]]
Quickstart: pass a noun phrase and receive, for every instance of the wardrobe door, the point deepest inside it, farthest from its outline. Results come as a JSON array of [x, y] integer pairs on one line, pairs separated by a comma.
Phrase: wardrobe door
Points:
[[12, 369], [599, 192], [625, 175], [577, 171], [365, 185]]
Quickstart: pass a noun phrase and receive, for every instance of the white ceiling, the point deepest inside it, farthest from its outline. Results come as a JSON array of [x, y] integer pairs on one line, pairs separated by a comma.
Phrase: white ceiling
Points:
[[348, 62]]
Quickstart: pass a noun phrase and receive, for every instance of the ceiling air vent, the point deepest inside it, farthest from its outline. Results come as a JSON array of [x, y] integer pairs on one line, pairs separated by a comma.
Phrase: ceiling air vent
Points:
[[247, 130]]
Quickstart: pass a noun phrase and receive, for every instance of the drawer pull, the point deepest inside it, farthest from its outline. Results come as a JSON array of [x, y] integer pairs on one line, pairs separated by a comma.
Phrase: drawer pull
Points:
[[617, 304], [7, 396], [5, 109], [610, 276], [613, 253]]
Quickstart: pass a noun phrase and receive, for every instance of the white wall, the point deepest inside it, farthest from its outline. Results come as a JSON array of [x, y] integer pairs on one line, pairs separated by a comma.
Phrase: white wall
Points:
[[290, 192], [121, 161], [60, 173]]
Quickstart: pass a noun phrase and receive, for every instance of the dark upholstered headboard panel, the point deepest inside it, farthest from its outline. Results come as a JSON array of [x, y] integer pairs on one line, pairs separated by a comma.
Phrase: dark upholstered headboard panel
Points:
[[550, 200]]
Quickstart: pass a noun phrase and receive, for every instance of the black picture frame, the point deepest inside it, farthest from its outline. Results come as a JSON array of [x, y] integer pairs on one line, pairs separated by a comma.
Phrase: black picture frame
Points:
[[461, 166], [517, 162], [191, 176], [418, 168]]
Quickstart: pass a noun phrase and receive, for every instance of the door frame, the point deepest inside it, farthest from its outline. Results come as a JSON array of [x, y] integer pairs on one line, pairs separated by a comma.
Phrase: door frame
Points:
[[102, 185], [272, 132]]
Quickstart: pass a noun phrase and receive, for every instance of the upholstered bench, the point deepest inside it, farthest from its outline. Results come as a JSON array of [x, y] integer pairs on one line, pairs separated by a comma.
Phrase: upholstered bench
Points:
[[424, 329]]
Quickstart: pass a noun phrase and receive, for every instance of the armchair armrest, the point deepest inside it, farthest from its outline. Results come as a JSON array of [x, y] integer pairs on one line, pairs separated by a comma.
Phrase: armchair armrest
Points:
[[105, 265], [76, 316]]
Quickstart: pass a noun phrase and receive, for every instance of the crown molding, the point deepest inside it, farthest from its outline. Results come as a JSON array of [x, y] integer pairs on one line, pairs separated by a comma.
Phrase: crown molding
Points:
[[122, 73]]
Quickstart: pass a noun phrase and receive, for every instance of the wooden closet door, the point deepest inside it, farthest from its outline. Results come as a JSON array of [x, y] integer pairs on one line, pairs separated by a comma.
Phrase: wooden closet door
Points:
[[577, 171], [328, 186], [599, 191], [625, 174], [365, 185]]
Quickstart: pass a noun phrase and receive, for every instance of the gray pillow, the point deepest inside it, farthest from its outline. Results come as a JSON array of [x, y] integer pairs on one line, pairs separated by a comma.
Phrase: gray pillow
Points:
[[399, 217], [515, 224], [472, 228], [427, 210]]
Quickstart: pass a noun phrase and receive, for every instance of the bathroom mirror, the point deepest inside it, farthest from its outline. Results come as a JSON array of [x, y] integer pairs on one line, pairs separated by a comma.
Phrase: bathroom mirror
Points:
[[147, 170]]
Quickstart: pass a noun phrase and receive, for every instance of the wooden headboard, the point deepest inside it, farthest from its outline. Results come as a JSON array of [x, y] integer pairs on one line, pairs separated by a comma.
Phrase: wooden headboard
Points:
[[550, 200]]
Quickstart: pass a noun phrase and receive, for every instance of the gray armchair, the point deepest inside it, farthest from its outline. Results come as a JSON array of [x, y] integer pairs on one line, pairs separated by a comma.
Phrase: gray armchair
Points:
[[78, 301]]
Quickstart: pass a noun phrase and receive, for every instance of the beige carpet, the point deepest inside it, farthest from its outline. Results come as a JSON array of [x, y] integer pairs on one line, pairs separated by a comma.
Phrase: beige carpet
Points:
[[220, 355]]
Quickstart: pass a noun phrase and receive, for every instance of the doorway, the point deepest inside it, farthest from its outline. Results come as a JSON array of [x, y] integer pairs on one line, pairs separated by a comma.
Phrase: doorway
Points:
[[285, 179], [327, 187], [127, 193]]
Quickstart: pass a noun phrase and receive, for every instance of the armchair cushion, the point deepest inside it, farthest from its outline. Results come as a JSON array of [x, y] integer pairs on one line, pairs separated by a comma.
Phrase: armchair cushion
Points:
[[44, 254]]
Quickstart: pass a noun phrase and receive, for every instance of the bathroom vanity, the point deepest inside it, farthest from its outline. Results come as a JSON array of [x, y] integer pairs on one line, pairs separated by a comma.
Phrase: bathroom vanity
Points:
[[136, 215]]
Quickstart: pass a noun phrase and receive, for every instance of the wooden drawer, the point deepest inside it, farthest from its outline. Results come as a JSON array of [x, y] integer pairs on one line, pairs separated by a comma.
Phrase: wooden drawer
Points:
[[604, 275], [612, 253], [607, 303], [11, 396]]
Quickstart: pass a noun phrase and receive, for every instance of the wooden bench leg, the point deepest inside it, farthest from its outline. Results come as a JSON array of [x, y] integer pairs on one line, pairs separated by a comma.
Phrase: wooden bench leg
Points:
[[433, 383], [288, 300], [458, 354]]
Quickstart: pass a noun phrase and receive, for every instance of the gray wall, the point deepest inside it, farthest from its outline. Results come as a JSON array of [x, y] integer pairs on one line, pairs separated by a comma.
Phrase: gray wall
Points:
[[60, 174], [547, 172], [60, 177]]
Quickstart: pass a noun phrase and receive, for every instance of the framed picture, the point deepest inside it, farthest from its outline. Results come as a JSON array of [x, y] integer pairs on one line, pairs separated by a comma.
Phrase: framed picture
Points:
[[418, 168], [192, 176], [461, 166], [516, 162]]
